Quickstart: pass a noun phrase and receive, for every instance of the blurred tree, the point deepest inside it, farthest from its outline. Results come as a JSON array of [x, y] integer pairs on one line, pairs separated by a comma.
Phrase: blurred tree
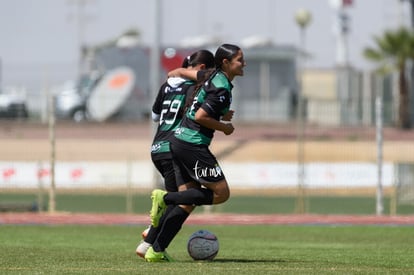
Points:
[[393, 49]]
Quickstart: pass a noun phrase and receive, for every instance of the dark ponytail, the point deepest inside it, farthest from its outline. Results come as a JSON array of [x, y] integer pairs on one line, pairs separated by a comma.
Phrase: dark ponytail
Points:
[[225, 51], [186, 62], [199, 57], [206, 76]]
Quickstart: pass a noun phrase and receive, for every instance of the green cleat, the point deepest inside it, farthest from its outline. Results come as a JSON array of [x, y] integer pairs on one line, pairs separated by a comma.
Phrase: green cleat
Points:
[[158, 206], [152, 256]]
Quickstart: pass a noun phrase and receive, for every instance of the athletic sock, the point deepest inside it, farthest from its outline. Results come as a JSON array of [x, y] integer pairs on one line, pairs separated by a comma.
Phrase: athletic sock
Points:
[[153, 232], [171, 226], [192, 196]]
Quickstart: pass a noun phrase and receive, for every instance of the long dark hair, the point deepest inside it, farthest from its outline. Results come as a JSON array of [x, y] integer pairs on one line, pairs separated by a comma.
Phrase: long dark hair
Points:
[[199, 57], [225, 51]]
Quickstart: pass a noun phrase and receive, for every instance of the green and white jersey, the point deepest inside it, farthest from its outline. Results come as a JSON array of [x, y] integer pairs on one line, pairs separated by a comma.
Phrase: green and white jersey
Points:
[[169, 108], [214, 97]]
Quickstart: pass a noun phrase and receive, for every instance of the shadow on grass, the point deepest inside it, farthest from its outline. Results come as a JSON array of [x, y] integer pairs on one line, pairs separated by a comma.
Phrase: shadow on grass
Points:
[[249, 261]]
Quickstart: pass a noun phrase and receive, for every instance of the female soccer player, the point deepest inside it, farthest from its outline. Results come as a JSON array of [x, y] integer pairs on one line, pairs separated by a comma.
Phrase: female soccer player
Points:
[[168, 110], [194, 164]]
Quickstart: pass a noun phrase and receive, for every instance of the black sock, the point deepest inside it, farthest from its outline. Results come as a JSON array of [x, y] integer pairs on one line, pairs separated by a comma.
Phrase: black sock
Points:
[[172, 224], [153, 232], [192, 196]]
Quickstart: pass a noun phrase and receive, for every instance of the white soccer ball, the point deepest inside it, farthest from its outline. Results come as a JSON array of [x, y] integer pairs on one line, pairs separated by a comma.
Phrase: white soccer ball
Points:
[[203, 245]]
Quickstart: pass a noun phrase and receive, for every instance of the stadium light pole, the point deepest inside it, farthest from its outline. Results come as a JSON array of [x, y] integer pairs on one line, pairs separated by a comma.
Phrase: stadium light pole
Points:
[[302, 17]]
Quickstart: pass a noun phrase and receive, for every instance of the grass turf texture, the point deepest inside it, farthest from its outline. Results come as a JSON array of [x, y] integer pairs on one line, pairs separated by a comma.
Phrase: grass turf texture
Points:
[[111, 203], [243, 250]]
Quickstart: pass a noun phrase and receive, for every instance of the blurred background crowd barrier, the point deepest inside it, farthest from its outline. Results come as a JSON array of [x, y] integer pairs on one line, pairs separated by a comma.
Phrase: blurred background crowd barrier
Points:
[[306, 137], [328, 166]]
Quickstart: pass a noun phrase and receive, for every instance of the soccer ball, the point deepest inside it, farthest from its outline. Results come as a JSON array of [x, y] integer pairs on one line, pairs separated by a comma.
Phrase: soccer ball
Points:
[[203, 245]]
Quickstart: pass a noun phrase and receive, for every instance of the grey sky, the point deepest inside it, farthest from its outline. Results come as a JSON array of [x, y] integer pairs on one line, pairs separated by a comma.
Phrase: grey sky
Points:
[[39, 38]]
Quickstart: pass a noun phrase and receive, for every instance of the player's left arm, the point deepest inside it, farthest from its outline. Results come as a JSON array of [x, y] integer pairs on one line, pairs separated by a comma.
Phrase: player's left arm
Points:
[[228, 116], [204, 119], [209, 113]]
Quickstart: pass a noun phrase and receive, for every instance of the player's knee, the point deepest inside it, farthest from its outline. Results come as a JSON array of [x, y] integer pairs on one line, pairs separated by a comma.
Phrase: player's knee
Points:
[[222, 196], [226, 196], [188, 208]]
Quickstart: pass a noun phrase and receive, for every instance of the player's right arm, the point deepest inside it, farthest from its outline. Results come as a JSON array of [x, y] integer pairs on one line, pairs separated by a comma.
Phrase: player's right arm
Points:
[[184, 73], [189, 73]]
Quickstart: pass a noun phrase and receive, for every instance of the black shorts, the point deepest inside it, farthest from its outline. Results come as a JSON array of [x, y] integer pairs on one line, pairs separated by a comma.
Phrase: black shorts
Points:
[[195, 163], [166, 169]]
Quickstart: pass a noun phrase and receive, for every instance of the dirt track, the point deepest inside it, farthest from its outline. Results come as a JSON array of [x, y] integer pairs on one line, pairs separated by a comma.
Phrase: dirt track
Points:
[[30, 141], [26, 141], [209, 219]]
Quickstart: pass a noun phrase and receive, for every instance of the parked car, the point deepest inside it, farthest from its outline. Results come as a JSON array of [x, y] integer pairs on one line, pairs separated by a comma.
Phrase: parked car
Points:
[[13, 104], [71, 97]]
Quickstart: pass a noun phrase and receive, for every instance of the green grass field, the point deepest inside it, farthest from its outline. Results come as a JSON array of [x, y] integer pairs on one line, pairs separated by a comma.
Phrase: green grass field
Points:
[[243, 250], [112, 203]]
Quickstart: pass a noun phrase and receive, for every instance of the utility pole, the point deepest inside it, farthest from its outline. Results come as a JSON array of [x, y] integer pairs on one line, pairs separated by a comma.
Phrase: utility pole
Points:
[[81, 20], [155, 67], [412, 12], [341, 30], [411, 96], [1, 72]]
